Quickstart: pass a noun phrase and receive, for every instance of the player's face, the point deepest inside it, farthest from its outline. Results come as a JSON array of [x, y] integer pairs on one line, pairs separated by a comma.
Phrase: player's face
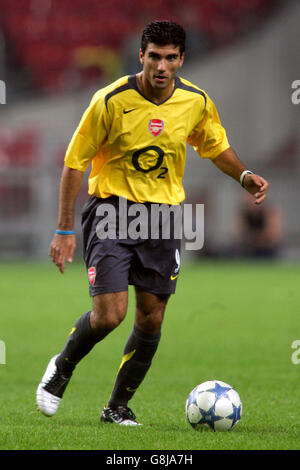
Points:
[[161, 64]]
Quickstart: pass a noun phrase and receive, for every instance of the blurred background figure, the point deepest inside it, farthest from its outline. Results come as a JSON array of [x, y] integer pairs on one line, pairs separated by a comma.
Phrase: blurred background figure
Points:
[[257, 230]]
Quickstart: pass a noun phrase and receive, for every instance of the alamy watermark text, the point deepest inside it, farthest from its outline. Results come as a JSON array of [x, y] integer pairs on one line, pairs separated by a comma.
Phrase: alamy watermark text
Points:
[[2, 352], [157, 221], [295, 96], [2, 92], [295, 358]]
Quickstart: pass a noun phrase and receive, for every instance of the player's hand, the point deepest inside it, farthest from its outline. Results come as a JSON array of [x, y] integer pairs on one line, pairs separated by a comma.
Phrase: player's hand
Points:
[[62, 249], [257, 186]]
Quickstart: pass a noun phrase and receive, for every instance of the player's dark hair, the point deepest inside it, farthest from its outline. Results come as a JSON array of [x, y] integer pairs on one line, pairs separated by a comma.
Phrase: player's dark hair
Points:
[[163, 33]]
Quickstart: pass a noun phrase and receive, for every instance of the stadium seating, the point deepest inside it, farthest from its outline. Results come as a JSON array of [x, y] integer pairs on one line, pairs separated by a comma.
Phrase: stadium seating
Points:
[[44, 34], [19, 148]]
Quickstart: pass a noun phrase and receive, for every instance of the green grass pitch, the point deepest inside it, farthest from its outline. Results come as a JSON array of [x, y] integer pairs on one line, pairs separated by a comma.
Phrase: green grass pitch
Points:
[[234, 322]]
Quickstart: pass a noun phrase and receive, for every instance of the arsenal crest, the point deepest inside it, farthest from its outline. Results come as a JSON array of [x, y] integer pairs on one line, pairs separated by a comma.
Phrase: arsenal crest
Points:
[[156, 127], [92, 275]]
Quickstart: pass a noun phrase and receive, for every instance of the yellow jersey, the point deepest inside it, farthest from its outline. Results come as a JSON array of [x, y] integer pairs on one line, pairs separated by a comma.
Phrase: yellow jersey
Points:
[[136, 148]]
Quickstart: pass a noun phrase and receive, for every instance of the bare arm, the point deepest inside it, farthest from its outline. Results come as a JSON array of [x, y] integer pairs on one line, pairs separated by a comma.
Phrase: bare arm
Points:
[[62, 246], [229, 163]]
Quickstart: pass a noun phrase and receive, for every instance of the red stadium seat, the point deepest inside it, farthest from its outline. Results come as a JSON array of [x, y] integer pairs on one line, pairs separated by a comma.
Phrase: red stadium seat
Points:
[[23, 147]]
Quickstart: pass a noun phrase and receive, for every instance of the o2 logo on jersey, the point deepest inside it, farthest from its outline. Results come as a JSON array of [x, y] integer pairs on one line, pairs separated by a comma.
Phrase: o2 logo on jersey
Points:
[[156, 126], [137, 158], [160, 156]]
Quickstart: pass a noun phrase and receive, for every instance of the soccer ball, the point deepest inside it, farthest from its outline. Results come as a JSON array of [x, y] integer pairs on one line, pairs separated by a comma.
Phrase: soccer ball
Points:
[[213, 404]]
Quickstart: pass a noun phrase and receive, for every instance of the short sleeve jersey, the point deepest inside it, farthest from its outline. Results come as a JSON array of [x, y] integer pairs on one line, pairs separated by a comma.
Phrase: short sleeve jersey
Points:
[[136, 148]]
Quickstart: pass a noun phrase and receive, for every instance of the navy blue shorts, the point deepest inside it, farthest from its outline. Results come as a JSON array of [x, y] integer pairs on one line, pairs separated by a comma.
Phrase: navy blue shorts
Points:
[[115, 259]]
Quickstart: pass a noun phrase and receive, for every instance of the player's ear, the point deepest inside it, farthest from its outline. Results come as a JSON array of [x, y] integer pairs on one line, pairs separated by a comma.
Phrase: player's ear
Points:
[[141, 57], [181, 60]]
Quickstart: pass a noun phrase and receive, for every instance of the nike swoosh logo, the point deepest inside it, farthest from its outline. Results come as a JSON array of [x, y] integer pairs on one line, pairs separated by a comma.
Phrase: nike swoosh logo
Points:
[[126, 111], [129, 389], [174, 277]]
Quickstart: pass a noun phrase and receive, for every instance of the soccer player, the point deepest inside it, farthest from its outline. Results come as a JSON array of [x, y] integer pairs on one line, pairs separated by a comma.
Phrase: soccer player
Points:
[[134, 135]]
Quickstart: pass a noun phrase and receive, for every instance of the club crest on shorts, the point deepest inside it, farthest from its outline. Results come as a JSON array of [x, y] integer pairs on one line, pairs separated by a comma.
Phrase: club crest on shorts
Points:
[[156, 126], [92, 275]]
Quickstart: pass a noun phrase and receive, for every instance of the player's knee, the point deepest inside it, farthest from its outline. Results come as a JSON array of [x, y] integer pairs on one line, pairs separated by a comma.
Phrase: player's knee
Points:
[[104, 322], [151, 322], [109, 310], [114, 319], [106, 318]]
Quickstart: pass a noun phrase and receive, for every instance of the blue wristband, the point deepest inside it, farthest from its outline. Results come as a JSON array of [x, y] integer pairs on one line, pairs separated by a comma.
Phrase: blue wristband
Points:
[[65, 232]]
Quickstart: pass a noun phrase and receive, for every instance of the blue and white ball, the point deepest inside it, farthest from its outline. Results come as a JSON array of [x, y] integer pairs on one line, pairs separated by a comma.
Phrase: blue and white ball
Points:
[[213, 404]]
